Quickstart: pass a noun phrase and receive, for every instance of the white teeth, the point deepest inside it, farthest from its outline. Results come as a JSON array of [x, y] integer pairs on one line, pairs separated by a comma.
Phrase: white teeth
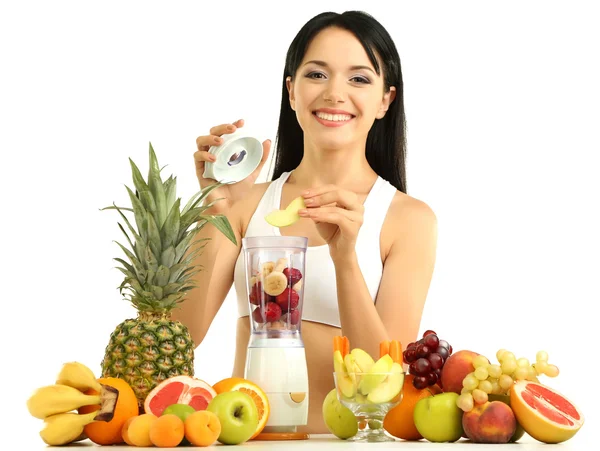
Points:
[[333, 117]]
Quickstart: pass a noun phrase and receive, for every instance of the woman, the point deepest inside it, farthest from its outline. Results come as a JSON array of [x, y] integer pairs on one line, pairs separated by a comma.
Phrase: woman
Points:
[[341, 146]]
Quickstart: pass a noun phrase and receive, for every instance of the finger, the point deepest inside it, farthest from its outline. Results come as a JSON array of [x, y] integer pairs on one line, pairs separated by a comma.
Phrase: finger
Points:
[[205, 142], [333, 215], [346, 221], [222, 129], [338, 197], [200, 157], [214, 138]]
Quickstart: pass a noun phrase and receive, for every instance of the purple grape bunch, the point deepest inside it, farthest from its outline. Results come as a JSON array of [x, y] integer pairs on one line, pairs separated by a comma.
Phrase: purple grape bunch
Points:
[[425, 359]]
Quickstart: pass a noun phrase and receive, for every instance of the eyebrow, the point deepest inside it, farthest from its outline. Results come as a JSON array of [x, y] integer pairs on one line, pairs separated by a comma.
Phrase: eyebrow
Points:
[[324, 64]]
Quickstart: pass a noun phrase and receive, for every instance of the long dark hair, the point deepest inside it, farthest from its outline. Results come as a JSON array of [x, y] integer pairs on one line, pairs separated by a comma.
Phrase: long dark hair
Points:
[[386, 142]]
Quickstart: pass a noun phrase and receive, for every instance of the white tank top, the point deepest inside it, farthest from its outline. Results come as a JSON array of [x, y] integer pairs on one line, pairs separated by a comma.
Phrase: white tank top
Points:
[[320, 291]]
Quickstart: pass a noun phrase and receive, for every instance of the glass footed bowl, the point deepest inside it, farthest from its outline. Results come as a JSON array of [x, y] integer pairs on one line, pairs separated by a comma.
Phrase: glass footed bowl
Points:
[[370, 396]]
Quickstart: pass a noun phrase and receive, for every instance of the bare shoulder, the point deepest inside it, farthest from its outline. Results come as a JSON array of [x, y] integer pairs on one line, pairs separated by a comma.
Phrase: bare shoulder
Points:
[[408, 211], [243, 211], [408, 220]]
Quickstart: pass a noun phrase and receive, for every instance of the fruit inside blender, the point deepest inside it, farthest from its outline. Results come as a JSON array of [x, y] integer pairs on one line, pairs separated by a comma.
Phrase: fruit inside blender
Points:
[[275, 294]]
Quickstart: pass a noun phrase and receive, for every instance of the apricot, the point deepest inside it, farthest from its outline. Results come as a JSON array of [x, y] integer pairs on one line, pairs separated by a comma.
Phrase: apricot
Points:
[[455, 369], [167, 431], [136, 430], [202, 428], [491, 422], [125, 431]]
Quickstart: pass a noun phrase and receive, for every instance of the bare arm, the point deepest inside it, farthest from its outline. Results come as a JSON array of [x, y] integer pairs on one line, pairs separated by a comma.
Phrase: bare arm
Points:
[[218, 257], [406, 278]]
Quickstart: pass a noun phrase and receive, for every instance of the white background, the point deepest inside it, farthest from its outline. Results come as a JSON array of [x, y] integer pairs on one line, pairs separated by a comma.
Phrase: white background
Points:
[[502, 109]]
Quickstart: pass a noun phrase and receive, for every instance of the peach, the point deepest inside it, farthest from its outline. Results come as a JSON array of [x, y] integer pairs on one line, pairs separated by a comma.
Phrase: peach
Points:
[[166, 431], [202, 428], [125, 431], [491, 422], [137, 432], [455, 369]]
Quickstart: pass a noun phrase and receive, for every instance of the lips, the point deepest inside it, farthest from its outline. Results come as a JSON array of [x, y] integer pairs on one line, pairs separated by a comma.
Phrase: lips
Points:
[[331, 117]]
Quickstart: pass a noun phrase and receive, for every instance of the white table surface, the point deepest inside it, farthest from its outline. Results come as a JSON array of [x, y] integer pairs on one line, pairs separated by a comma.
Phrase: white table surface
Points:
[[325, 442]]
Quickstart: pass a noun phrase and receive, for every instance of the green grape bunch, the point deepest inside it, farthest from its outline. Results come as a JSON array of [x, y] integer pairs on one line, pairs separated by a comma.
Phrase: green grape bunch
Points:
[[497, 378]]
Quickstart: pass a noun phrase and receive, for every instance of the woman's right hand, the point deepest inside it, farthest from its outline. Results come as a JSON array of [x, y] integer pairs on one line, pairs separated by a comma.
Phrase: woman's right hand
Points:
[[234, 192]]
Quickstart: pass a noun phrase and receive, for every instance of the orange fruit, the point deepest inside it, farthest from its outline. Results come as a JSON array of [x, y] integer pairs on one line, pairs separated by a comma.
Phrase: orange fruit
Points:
[[399, 421], [110, 432], [544, 413], [256, 393]]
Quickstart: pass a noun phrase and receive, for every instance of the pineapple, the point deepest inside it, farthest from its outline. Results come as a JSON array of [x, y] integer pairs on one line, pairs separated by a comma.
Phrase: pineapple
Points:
[[152, 347]]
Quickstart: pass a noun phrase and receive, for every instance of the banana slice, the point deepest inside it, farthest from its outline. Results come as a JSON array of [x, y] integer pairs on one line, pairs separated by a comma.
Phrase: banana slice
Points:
[[281, 264], [253, 280], [266, 268], [275, 283], [297, 286]]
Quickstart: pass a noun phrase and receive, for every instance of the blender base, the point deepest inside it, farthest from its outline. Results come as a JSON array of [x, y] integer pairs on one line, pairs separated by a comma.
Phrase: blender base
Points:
[[274, 436]]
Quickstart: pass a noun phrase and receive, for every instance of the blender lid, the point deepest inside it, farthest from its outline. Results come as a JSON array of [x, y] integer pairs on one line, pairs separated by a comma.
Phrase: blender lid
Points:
[[237, 157]]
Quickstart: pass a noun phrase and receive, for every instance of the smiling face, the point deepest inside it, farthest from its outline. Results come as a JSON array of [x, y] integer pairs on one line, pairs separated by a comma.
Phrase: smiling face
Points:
[[336, 93]]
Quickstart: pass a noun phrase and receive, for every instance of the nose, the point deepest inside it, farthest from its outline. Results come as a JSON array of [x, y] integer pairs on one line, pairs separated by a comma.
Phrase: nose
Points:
[[334, 92]]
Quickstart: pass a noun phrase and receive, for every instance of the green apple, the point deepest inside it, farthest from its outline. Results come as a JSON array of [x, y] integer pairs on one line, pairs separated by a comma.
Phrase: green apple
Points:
[[438, 418], [339, 419], [390, 388], [362, 360], [237, 414], [351, 367], [376, 375], [181, 410], [345, 383]]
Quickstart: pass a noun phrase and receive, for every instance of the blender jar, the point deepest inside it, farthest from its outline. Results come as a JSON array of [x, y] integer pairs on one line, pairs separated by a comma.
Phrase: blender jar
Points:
[[274, 278]]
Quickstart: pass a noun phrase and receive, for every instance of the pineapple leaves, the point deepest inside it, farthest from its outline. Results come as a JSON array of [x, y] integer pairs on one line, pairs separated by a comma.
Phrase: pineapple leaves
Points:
[[163, 238], [154, 237], [199, 197], [148, 202], [222, 224], [168, 257], [128, 269], [176, 271], [150, 260], [162, 276], [138, 180], [189, 218], [172, 288], [170, 189], [157, 188], [140, 272], [170, 229], [139, 212]]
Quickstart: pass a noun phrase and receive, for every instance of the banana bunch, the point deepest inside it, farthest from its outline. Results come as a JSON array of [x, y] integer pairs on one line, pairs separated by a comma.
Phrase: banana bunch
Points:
[[54, 404]]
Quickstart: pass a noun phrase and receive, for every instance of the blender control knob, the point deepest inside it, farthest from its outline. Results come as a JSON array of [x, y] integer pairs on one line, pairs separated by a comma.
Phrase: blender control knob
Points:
[[298, 397]]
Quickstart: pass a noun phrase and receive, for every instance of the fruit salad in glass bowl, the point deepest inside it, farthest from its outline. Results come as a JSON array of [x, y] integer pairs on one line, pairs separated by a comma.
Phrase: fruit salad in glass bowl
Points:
[[369, 388], [275, 295]]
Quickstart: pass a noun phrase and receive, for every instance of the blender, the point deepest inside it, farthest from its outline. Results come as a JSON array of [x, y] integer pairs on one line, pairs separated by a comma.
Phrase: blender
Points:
[[276, 359]]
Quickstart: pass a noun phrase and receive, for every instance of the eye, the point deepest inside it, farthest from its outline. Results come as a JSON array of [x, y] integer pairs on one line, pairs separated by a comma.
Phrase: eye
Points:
[[360, 79], [315, 75]]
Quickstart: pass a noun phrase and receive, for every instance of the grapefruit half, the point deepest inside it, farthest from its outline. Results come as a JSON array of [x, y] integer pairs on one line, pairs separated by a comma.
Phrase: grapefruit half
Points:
[[179, 390], [544, 413]]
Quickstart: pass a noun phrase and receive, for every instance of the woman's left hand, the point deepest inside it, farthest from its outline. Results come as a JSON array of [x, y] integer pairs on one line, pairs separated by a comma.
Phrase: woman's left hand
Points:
[[338, 215]]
